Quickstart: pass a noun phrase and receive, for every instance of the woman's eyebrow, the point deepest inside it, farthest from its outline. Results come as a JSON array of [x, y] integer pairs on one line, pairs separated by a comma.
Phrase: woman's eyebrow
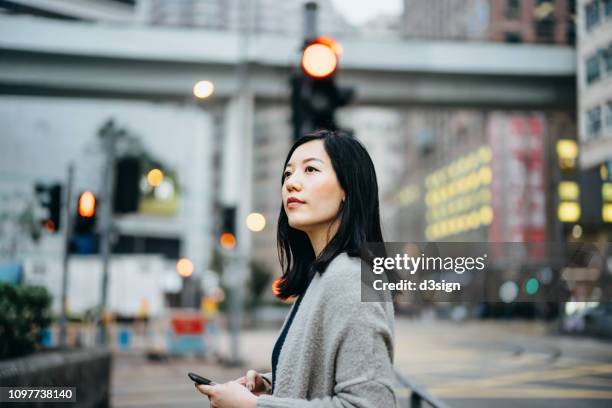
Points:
[[306, 160]]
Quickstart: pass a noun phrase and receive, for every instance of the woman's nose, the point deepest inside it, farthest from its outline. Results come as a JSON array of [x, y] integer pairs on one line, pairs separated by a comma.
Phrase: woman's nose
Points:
[[292, 184]]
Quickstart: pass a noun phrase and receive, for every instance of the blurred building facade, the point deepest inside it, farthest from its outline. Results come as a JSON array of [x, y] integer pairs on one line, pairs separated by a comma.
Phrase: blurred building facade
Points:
[[532, 21], [594, 111], [446, 19], [436, 139], [381, 132], [258, 16], [480, 175], [272, 140], [594, 81], [511, 21]]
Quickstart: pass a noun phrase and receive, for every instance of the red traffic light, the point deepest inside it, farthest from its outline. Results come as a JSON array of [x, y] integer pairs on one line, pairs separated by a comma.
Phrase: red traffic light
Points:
[[87, 204], [227, 240], [320, 57], [50, 226]]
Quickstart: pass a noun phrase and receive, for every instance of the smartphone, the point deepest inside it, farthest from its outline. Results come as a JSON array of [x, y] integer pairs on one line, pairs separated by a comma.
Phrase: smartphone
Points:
[[199, 379]]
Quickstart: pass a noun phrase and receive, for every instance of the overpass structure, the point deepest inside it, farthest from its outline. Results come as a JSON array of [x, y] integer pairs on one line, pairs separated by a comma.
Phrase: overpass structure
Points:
[[51, 57]]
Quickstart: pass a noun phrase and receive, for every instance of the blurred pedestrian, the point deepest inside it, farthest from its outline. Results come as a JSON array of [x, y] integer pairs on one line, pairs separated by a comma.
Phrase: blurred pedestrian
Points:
[[333, 350]]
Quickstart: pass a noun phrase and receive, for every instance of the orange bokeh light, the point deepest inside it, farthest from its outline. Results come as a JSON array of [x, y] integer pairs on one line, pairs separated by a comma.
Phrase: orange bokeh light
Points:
[[155, 177], [227, 240], [331, 43], [184, 267], [319, 60], [87, 204]]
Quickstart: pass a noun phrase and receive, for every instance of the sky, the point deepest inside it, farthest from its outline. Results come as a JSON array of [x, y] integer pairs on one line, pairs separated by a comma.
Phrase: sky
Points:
[[360, 11]]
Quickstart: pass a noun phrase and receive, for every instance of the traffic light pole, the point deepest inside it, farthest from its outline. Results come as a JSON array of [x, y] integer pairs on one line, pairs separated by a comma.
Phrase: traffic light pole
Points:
[[310, 21], [67, 234], [298, 81], [237, 192], [236, 189], [109, 135]]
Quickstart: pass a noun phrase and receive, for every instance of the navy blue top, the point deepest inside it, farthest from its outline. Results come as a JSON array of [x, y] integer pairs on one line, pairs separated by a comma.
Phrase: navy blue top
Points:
[[281, 339]]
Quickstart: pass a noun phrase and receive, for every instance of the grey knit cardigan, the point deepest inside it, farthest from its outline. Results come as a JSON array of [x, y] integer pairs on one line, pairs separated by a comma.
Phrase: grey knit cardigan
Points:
[[338, 352]]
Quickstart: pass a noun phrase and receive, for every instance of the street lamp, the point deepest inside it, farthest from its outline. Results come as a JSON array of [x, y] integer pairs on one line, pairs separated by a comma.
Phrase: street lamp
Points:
[[255, 222], [203, 89], [184, 267], [155, 177]]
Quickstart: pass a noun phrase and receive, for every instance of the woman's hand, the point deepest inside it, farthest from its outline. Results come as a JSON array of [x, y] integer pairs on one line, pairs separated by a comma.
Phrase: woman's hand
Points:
[[255, 383], [228, 395]]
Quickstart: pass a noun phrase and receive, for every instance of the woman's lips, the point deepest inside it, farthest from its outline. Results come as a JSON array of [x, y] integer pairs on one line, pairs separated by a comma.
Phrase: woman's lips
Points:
[[294, 202]]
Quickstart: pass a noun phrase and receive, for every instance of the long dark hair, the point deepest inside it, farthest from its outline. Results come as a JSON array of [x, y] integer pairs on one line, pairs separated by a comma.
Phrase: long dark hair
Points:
[[358, 215]]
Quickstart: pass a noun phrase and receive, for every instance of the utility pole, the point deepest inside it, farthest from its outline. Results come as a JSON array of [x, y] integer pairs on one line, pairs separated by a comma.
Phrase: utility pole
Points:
[[237, 182], [109, 134], [67, 234]]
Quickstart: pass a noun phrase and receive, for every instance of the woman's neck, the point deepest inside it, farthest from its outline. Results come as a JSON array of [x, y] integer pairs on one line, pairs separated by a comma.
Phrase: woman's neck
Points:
[[320, 236]]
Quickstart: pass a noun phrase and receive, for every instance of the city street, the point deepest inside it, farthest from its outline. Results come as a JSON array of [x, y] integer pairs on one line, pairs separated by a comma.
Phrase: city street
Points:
[[472, 364], [159, 158]]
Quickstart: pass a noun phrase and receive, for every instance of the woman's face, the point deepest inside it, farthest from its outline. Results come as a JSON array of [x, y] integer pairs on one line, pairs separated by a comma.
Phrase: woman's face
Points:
[[311, 192]]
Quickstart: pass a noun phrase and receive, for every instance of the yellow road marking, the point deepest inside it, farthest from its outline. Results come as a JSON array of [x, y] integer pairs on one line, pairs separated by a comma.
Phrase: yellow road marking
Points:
[[589, 381], [515, 378], [522, 393]]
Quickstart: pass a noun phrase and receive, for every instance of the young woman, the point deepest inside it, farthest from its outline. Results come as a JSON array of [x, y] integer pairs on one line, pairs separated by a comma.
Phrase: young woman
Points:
[[333, 350]]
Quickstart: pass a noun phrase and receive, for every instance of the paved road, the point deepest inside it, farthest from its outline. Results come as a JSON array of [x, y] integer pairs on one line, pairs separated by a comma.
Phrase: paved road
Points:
[[139, 383], [504, 364], [473, 364]]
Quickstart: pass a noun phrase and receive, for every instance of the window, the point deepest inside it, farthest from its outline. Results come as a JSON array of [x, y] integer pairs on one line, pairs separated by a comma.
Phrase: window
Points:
[[513, 9], [513, 38], [592, 14], [592, 69], [545, 29], [544, 14], [570, 24], [608, 8], [593, 122], [609, 115]]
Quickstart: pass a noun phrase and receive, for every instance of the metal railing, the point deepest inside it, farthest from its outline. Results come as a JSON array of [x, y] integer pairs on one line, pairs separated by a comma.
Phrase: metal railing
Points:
[[418, 394]]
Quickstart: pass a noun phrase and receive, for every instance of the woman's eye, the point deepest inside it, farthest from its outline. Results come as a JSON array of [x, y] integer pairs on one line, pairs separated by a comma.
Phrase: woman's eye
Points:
[[286, 174], [310, 168]]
